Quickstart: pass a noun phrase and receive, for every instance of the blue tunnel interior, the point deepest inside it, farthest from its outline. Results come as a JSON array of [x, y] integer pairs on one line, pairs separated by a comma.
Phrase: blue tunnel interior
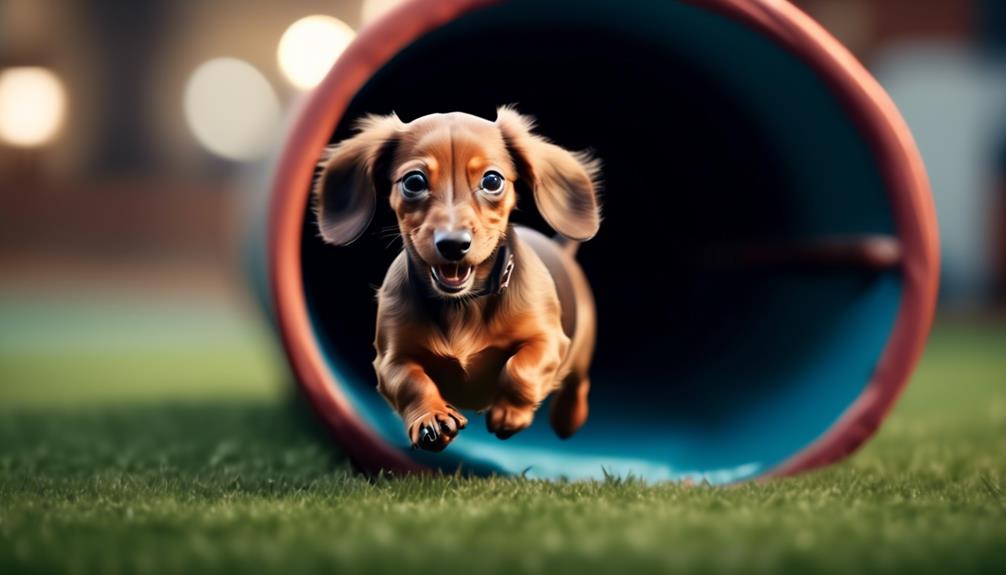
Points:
[[713, 137]]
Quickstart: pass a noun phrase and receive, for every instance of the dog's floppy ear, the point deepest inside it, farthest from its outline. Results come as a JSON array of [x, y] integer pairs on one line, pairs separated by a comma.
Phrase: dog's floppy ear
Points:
[[564, 183], [345, 191]]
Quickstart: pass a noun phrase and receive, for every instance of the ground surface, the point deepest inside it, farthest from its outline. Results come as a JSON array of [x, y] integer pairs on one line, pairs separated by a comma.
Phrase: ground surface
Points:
[[178, 462]]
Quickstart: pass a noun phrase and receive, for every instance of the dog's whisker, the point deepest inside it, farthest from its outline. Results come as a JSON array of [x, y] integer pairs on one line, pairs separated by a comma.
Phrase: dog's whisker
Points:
[[391, 234]]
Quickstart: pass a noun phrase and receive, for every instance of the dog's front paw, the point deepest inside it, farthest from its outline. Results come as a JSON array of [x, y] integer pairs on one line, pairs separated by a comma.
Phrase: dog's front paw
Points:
[[505, 419], [436, 428]]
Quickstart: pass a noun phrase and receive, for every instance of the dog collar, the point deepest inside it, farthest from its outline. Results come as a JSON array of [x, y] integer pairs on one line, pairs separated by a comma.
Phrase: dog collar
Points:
[[503, 267]]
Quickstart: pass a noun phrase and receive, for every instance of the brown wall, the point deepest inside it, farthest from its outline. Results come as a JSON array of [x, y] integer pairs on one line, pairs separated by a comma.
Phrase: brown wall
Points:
[[865, 26]]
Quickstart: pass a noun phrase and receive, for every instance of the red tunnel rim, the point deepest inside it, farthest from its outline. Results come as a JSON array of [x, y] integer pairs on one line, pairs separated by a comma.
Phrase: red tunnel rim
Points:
[[865, 101]]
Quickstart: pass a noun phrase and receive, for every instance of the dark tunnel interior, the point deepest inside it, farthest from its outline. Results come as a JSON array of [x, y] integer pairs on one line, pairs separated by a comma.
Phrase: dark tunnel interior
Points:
[[698, 352]]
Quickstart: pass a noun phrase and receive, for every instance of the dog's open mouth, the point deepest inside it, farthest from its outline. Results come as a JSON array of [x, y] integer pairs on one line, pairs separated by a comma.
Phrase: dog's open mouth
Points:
[[452, 278]]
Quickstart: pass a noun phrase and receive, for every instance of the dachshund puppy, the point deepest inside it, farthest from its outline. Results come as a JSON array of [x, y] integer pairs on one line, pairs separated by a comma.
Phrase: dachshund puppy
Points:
[[474, 313]]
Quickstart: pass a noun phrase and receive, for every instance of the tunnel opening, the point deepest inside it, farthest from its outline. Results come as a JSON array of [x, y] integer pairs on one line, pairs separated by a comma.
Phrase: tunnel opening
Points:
[[714, 360]]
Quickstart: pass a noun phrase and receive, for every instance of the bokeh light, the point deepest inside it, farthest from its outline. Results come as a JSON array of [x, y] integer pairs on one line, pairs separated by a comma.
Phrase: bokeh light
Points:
[[373, 9], [32, 106], [310, 46], [232, 109]]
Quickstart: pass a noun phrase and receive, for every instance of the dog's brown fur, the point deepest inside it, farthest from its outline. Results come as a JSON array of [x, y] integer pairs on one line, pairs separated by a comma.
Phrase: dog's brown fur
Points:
[[502, 352]]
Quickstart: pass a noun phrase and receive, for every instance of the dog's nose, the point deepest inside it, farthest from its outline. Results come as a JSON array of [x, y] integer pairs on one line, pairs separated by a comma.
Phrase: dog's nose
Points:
[[453, 245]]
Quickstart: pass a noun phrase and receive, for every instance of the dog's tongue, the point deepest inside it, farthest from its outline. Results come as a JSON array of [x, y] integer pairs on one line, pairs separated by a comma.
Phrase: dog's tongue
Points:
[[453, 273]]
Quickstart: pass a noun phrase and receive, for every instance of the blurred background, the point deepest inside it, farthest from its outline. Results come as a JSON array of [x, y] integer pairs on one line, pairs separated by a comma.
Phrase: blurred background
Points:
[[136, 137]]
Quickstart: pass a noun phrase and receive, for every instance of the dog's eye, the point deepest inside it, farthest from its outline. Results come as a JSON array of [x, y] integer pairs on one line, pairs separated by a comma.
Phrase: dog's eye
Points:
[[414, 185], [492, 183]]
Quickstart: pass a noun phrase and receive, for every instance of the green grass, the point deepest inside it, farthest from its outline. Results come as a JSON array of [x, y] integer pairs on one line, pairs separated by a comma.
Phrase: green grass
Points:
[[244, 481]]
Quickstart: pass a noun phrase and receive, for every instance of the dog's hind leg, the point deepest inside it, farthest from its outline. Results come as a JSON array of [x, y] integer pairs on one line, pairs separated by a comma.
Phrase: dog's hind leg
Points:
[[569, 406]]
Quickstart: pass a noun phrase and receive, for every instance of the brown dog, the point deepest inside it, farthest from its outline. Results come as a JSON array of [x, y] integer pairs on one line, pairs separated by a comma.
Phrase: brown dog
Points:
[[474, 313]]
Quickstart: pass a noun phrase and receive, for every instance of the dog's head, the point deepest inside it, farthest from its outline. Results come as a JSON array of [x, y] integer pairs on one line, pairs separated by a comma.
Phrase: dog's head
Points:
[[452, 180]]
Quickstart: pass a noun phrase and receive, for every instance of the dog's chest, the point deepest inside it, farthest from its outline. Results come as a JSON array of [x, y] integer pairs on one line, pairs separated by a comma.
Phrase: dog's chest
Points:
[[472, 385], [466, 366]]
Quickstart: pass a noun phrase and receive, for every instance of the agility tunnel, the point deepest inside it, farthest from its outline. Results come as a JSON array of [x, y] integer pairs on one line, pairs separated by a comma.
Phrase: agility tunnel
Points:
[[766, 271]]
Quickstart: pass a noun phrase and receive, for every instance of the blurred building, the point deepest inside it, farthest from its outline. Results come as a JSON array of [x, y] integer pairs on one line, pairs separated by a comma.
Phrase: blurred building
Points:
[[136, 177], [942, 62]]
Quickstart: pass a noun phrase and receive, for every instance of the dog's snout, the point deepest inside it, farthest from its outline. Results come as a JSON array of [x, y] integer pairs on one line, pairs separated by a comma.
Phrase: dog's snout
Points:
[[453, 245]]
